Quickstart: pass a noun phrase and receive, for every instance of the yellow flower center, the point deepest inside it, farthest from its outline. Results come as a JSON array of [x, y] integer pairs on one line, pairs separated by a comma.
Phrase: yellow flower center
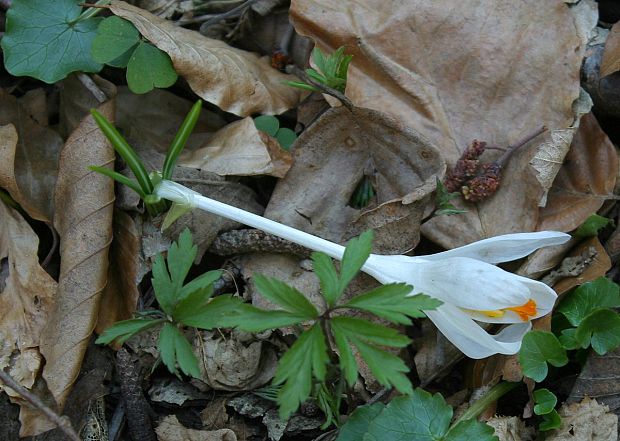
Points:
[[524, 311]]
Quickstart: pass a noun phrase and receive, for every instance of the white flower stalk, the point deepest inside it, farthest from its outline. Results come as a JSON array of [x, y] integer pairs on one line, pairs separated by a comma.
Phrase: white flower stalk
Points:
[[465, 279]]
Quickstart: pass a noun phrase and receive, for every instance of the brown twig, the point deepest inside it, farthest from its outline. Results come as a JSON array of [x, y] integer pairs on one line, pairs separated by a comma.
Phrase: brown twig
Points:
[[520, 143], [253, 241], [322, 87], [232, 13], [52, 251], [61, 421]]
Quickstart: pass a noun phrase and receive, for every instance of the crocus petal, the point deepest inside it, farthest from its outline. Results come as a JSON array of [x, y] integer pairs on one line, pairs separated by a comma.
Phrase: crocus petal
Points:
[[471, 339], [468, 283], [504, 248]]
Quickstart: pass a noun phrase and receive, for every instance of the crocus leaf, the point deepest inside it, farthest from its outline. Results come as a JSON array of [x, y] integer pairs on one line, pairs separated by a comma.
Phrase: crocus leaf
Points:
[[538, 349], [599, 293], [545, 401], [305, 360], [115, 37], [601, 330], [268, 124], [149, 67], [592, 226], [45, 40]]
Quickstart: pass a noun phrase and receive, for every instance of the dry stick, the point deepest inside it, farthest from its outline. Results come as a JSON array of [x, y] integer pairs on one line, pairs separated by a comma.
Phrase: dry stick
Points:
[[62, 422], [322, 87], [514, 147], [253, 241], [232, 13]]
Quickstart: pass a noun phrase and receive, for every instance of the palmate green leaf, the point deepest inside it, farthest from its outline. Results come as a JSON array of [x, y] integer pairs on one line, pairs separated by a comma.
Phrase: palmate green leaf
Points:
[[601, 330], [592, 225], [175, 349], [123, 330], [115, 37], [325, 270], [285, 296], [162, 285], [599, 293], [388, 369], [148, 68], [305, 360], [545, 401], [216, 313], [391, 303], [181, 257], [370, 332], [44, 40], [538, 349], [355, 254], [252, 319], [201, 282]]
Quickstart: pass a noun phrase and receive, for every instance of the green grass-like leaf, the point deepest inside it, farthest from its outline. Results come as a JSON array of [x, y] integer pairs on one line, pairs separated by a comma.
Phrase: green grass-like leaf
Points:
[[45, 40], [599, 293], [180, 139], [305, 360], [538, 349]]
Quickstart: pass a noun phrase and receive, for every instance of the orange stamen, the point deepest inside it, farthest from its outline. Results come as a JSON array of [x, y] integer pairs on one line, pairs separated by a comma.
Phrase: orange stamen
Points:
[[525, 311]]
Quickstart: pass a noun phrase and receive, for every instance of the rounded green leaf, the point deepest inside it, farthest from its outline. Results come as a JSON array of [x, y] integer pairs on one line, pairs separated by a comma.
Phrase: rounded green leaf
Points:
[[599, 293], [545, 401], [44, 40], [115, 37], [601, 330], [538, 349], [286, 138], [268, 124], [552, 420], [148, 68]]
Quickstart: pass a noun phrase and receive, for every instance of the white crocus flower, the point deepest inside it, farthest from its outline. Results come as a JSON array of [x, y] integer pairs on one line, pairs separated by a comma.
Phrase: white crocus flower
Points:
[[465, 279]]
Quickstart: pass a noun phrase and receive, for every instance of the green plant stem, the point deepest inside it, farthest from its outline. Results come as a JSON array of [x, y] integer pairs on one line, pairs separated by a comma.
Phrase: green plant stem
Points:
[[180, 139], [494, 394], [92, 11]]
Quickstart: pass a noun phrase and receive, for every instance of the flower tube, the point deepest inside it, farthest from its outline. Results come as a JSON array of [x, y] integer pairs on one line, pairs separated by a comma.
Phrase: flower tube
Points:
[[465, 279]]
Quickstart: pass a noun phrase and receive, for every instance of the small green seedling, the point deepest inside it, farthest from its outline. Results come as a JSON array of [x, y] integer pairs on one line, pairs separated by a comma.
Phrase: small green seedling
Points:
[[144, 184], [442, 201], [363, 193], [119, 44], [271, 126], [181, 304], [331, 70], [545, 407], [322, 360], [592, 226]]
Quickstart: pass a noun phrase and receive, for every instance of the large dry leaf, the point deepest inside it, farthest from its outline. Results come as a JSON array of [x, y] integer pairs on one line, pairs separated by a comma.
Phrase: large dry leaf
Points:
[[120, 295], [85, 228], [330, 159], [240, 149], [611, 56], [29, 160], [236, 81], [472, 69], [586, 421], [169, 429], [586, 178], [26, 299], [599, 380]]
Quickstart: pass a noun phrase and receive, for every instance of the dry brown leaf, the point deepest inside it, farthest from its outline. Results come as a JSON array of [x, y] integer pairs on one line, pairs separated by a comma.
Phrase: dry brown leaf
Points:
[[454, 78], [511, 429], [240, 149], [29, 160], [331, 158], [236, 81], [611, 55], [599, 380], [85, 228], [586, 178], [169, 429], [586, 421], [26, 300], [120, 295], [155, 118], [234, 363]]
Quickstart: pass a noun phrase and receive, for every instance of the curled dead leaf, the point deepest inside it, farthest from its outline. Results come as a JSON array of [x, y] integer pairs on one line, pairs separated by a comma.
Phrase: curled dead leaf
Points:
[[611, 55], [236, 81], [85, 228], [169, 429]]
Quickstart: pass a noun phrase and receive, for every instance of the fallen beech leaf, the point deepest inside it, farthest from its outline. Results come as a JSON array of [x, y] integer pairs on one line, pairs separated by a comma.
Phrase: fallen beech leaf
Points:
[[240, 149], [454, 78], [29, 155], [233, 363], [586, 421], [169, 429], [85, 228], [599, 380], [586, 178], [511, 429], [26, 300], [333, 154], [236, 81], [120, 295], [611, 55]]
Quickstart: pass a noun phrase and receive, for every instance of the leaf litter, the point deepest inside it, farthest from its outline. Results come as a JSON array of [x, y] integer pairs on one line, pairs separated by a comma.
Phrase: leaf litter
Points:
[[473, 71]]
